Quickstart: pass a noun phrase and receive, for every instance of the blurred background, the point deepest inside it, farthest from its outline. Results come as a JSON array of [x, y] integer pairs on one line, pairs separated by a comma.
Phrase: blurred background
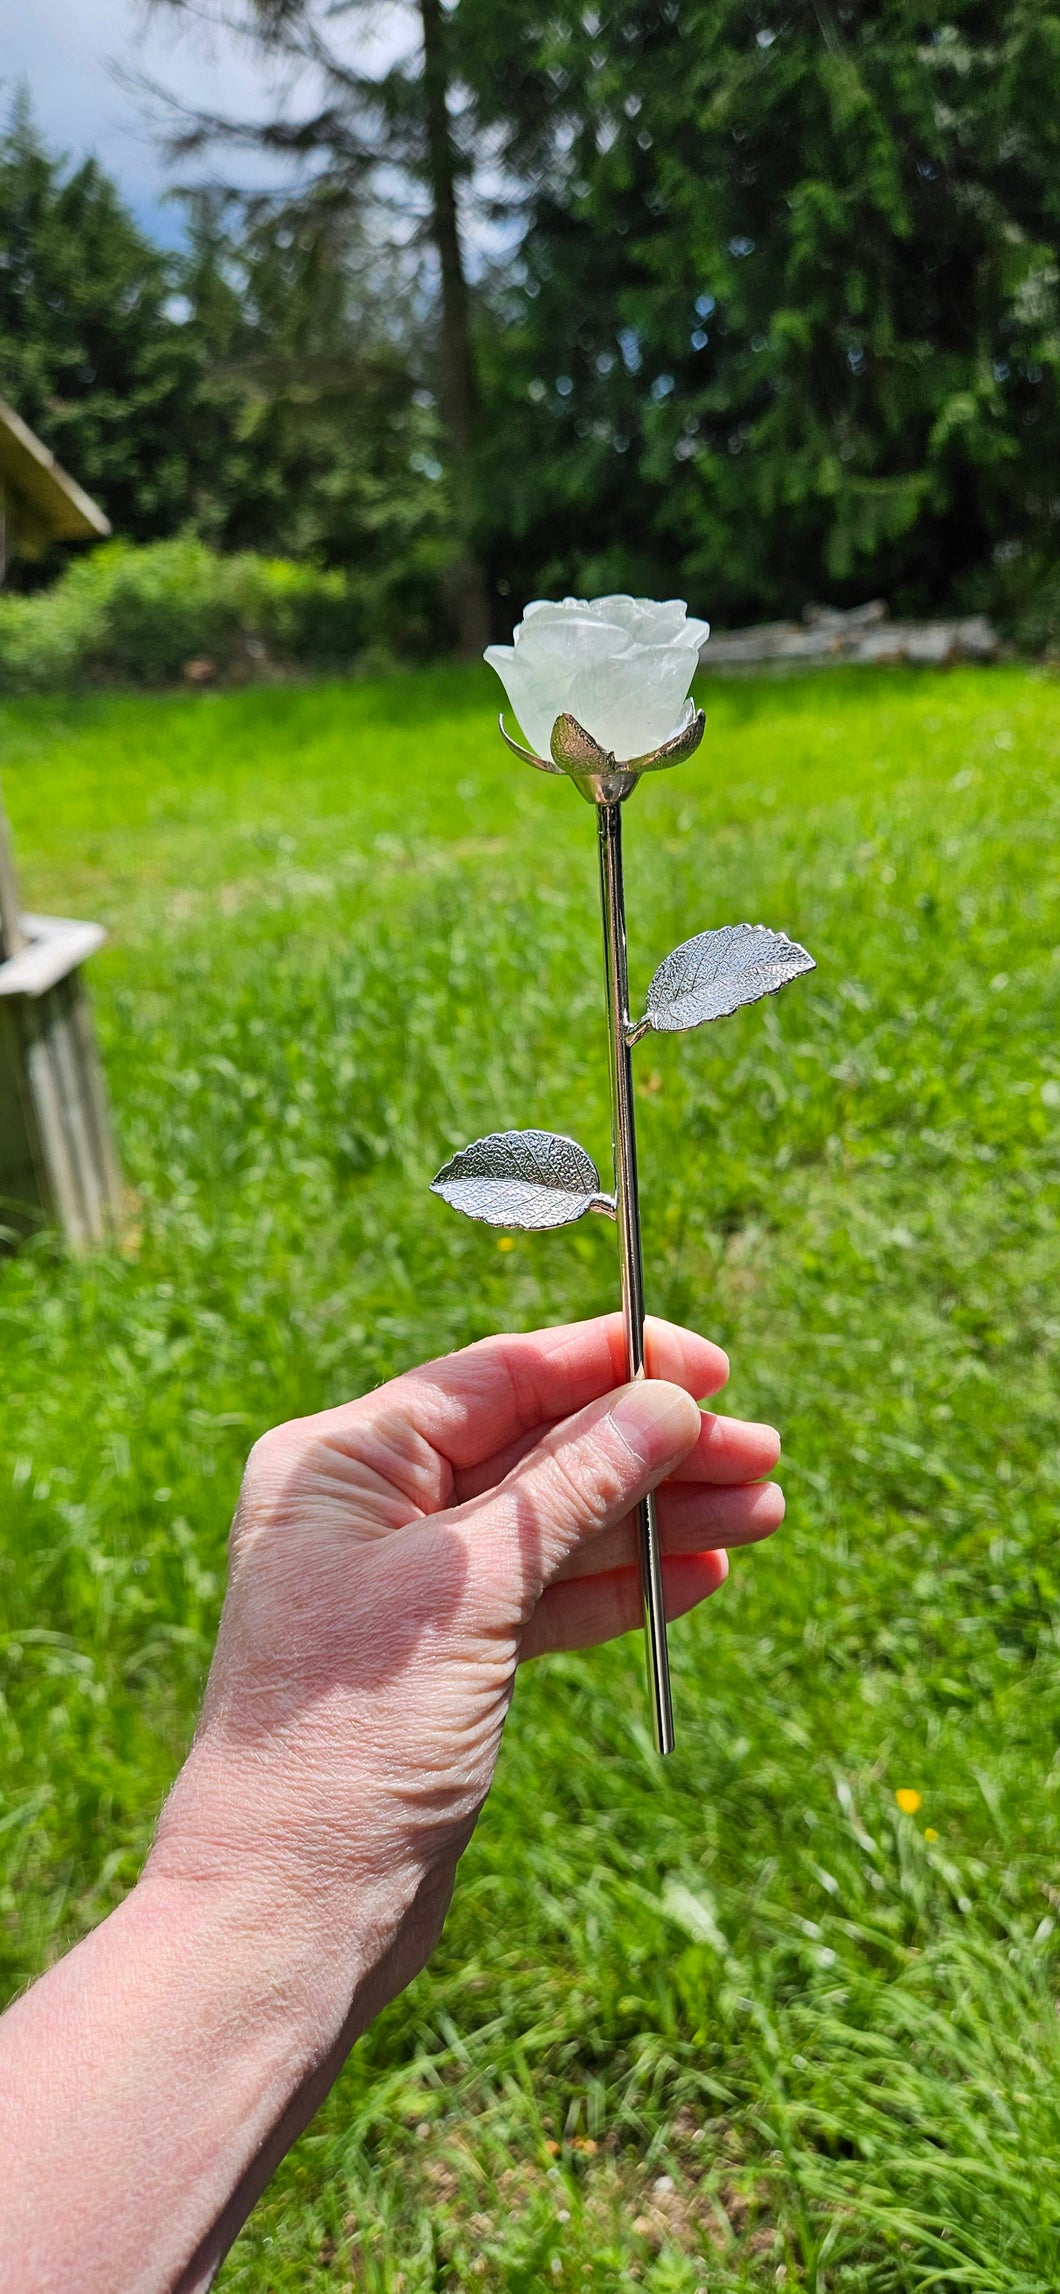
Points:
[[467, 303], [329, 335]]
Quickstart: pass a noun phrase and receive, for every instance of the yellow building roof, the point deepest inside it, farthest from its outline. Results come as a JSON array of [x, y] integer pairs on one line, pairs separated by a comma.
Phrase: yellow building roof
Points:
[[55, 500]]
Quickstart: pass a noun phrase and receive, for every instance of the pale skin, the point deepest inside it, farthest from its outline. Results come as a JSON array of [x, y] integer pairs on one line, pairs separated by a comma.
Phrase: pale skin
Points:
[[392, 1562]]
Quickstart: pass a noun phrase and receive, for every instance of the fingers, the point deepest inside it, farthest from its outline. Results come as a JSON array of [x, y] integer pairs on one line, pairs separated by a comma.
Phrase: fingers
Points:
[[692, 1517], [679, 1355], [583, 1478], [691, 1520], [727, 1451], [730, 1450], [481, 1403], [579, 1615]]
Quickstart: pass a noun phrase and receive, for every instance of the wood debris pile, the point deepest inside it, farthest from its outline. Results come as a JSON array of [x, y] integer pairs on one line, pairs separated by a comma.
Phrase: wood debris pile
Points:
[[865, 635]]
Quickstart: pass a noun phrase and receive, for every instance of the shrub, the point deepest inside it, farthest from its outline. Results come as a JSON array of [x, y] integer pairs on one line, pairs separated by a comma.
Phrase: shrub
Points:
[[1035, 627], [47, 639], [1020, 590], [299, 613], [161, 606], [140, 614]]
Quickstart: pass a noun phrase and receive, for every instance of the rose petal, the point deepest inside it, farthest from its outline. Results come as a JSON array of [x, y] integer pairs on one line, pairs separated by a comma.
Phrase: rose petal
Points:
[[621, 665]]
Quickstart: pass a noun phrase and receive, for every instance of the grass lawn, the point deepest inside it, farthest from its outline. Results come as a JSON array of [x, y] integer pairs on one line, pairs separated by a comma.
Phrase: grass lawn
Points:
[[743, 2023]]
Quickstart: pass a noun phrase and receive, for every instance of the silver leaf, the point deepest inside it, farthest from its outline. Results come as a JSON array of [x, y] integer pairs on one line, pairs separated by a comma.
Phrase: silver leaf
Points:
[[712, 975], [522, 1179]]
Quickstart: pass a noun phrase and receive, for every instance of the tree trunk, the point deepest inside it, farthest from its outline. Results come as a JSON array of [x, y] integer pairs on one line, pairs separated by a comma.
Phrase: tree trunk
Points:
[[470, 596]]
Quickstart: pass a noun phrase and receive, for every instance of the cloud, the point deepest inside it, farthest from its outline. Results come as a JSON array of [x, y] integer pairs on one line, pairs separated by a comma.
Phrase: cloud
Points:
[[65, 52]]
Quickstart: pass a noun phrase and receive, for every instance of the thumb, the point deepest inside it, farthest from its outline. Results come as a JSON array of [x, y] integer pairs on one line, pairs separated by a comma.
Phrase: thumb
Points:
[[583, 1477]]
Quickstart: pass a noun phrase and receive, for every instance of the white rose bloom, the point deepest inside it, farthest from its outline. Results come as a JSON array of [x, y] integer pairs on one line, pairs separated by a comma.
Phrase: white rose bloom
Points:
[[621, 665]]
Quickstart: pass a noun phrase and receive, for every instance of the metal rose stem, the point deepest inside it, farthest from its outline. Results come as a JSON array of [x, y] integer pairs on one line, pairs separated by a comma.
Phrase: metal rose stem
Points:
[[627, 1199], [543, 1179]]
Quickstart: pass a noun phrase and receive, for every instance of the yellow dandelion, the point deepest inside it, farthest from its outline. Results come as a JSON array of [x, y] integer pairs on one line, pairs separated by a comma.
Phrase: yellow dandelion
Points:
[[908, 1800], [930, 1832], [506, 1242]]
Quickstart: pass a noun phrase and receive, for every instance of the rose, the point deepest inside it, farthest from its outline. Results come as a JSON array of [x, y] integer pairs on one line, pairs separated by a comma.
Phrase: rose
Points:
[[621, 666]]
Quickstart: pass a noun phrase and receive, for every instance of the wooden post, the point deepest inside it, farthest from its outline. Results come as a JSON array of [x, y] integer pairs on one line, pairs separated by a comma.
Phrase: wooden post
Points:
[[57, 1156], [12, 936]]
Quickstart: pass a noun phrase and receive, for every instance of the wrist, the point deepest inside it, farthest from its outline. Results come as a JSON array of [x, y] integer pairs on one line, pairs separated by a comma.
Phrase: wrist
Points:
[[310, 1909], [194, 2031]]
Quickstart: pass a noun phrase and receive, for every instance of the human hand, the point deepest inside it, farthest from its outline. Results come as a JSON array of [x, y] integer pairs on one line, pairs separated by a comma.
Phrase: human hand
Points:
[[392, 1561]]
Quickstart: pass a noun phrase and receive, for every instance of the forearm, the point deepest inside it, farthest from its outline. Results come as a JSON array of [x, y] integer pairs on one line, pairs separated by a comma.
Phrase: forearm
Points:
[[389, 1561], [150, 2081]]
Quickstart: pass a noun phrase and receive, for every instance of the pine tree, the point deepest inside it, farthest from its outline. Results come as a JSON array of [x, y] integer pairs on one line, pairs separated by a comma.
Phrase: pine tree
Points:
[[90, 355], [789, 321], [379, 140], [333, 442]]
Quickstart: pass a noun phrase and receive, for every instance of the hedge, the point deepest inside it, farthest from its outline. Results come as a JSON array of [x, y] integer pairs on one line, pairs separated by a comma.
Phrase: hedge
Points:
[[143, 615]]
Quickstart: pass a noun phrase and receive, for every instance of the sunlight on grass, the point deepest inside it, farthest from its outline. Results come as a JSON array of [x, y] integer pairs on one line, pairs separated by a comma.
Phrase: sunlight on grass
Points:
[[785, 2015]]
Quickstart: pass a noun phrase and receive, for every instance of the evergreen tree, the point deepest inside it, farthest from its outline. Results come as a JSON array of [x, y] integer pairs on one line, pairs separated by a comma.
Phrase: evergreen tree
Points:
[[788, 323], [334, 444], [90, 355], [258, 387], [779, 317], [379, 140]]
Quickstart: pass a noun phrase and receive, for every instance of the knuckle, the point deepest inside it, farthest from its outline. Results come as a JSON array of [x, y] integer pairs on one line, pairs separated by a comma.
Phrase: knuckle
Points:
[[260, 1475], [264, 1457], [590, 1486], [267, 1476]]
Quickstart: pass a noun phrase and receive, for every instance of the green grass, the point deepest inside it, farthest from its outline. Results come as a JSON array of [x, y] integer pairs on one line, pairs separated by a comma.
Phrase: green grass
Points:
[[745, 2023]]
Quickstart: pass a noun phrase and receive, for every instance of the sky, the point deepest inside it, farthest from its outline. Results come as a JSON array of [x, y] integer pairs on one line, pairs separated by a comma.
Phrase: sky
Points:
[[65, 50]]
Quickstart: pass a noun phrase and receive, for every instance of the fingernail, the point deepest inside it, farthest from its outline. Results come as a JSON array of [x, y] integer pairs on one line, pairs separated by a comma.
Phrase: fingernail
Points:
[[656, 1421]]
